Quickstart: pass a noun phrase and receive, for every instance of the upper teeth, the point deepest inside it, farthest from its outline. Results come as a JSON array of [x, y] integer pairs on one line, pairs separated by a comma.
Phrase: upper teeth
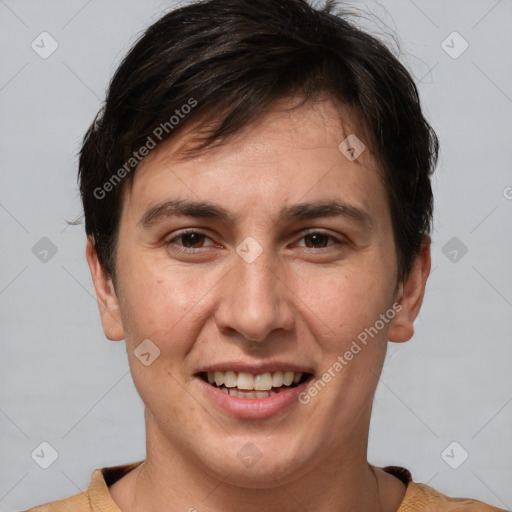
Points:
[[260, 382]]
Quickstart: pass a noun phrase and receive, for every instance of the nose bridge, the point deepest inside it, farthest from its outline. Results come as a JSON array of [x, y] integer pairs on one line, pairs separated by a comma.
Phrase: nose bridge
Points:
[[255, 302]]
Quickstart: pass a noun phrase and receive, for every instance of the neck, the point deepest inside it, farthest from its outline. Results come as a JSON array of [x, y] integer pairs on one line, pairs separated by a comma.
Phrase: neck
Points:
[[170, 481], [350, 491]]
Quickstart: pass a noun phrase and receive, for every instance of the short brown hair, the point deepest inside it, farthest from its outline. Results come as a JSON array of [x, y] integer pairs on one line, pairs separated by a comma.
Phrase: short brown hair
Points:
[[228, 61]]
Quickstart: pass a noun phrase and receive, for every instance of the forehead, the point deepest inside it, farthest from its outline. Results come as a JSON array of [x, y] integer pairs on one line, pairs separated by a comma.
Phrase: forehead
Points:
[[289, 123], [286, 156]]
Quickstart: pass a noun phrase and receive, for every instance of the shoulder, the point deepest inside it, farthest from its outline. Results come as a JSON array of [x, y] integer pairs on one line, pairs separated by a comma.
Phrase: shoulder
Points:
[[79, 502], [96, 498], [421, 497]]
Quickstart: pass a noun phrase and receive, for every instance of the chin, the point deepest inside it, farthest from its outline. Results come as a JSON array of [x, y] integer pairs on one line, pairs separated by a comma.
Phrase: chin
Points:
[[263, 475], [259, 461]]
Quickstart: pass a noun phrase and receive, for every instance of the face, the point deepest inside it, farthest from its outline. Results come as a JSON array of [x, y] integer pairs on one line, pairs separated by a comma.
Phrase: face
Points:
[[254, 271]]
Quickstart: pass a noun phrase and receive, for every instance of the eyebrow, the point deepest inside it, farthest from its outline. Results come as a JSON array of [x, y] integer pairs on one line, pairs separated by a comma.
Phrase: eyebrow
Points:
[[300, 211]]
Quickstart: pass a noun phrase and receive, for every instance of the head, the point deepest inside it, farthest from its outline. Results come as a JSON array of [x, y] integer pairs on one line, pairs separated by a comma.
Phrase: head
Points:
[[230, 223]]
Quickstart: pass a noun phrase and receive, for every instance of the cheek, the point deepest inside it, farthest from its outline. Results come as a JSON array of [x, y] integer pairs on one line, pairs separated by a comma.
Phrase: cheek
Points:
[[342, 304], [158, 302], [162, 305]]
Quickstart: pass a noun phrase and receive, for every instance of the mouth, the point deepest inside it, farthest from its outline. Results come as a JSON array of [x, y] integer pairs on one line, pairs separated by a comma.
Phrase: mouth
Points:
[[249, 386]]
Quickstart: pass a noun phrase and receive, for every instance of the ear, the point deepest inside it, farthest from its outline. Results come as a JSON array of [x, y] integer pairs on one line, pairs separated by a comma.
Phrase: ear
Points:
[[410, 296], [107, 299]]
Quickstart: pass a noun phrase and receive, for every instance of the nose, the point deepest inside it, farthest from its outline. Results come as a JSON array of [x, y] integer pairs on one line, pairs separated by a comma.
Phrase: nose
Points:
[[256, 300]]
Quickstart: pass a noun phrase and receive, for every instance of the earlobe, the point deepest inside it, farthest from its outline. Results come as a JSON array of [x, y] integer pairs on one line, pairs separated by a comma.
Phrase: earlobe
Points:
[[410, 296], [108, 303]]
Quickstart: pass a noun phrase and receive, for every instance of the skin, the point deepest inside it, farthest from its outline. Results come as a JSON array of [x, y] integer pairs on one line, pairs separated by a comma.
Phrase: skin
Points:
[[303, 301]]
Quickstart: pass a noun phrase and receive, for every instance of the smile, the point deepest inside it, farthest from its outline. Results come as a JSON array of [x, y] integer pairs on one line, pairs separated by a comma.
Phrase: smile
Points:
[[249, 386]]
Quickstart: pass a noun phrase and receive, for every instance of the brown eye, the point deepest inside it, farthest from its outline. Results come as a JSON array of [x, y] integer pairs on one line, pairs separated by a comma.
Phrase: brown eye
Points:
[[316, 240], [192, 240], [189, 242]]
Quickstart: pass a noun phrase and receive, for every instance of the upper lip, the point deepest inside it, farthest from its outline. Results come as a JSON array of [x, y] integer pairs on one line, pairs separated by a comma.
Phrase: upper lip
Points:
[[255, 368]]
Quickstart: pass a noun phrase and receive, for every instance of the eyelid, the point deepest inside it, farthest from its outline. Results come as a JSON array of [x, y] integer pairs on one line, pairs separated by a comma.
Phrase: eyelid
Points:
[[340, 239], [186, 231], [337, 239]]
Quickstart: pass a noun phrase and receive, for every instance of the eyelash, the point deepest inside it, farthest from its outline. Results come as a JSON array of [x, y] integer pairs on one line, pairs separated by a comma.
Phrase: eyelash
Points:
[[169, 243]]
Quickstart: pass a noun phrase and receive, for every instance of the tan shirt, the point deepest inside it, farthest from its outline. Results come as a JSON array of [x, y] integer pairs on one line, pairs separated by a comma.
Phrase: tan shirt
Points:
[[418, 497]]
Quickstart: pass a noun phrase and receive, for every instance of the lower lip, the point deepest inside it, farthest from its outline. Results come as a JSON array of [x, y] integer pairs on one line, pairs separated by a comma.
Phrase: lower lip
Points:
[[253, 408]]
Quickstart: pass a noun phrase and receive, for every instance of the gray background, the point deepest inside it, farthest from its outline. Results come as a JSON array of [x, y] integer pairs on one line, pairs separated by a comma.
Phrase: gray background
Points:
[[62, 382]]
